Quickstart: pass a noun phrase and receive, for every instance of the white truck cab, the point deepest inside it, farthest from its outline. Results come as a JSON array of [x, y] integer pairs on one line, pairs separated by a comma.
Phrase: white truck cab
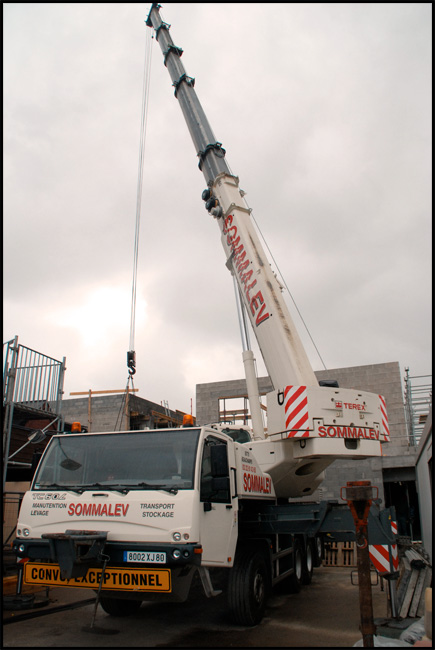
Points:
[[155, 504]]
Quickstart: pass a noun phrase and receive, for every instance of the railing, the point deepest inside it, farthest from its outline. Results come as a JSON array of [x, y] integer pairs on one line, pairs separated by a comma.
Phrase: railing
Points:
[[418, 401], [30, 377], [32, 380]]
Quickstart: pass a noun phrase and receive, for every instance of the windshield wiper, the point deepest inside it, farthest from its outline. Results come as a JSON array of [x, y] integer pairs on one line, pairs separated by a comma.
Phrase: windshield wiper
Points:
[[105, 486], [122, 489], [153, 486], [67, 488]]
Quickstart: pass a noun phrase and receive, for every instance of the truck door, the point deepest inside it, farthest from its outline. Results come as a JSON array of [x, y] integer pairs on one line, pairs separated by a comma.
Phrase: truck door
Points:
[[218, 504]]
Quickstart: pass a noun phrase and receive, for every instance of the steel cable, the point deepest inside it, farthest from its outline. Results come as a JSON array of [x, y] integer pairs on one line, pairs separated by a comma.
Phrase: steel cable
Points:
[[144, 114]]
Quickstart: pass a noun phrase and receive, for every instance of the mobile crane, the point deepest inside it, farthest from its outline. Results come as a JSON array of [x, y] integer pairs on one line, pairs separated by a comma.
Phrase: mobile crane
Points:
[[137, 514]]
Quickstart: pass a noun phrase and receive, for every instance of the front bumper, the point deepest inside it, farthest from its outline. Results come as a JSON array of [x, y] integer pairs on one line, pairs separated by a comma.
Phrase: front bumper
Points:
[[177, 554]]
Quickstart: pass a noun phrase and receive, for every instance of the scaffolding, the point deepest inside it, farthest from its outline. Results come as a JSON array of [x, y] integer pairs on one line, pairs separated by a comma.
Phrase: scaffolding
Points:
[[418, 402], [33, 386], [234, 414]]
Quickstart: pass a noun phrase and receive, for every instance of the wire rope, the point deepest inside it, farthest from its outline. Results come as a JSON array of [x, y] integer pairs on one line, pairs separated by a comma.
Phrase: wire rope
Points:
[[284, 282], [289, 292], [131, 355], [122, 407], [144, 115]]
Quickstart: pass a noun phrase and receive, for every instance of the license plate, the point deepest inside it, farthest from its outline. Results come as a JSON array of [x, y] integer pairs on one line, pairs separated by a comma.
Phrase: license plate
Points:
[[115, 578], [145, 557]]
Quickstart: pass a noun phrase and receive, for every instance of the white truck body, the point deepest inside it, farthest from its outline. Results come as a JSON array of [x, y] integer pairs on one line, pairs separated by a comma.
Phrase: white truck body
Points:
[[135, 514], [96, 481]]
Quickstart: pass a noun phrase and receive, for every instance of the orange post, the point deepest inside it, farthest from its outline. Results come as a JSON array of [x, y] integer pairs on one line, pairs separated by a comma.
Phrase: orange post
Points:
[[359, 497]]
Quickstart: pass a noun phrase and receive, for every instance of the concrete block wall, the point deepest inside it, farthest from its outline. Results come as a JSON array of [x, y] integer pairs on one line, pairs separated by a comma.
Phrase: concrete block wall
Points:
[[104, 412], [108, 412]]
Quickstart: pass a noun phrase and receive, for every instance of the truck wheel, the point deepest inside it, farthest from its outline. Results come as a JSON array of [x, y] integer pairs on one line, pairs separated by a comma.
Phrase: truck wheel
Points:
[[308, 565], [294, 582], [119, 606], [317, 551], [248, 588]]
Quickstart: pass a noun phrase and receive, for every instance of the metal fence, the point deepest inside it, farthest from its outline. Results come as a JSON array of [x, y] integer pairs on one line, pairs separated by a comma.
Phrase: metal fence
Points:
[[418, 402], [31, 380], [30, 377]]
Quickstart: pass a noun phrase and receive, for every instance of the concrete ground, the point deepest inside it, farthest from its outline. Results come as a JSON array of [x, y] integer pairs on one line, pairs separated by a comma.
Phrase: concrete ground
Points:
[[325, 614]]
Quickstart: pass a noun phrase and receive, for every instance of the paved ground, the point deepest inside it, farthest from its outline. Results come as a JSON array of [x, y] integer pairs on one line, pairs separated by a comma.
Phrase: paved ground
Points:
[[325, 614]]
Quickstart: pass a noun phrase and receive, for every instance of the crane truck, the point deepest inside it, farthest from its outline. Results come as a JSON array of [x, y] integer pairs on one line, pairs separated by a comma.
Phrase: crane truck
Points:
[[136, 515]]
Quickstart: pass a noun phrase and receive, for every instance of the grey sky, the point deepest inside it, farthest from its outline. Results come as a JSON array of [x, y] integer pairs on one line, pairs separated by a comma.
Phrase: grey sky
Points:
[[325, 112]]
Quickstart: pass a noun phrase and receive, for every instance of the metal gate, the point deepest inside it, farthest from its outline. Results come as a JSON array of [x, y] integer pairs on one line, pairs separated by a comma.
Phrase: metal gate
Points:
[[32, 380]]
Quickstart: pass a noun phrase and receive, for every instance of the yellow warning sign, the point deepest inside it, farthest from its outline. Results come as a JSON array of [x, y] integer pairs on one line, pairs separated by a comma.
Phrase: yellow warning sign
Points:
[[115, 578]]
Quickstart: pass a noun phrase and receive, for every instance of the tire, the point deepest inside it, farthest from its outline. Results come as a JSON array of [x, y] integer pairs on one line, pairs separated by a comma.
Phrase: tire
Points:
[[119, 606], [308, 564], [294, 582], [248, 588], [318, 551]]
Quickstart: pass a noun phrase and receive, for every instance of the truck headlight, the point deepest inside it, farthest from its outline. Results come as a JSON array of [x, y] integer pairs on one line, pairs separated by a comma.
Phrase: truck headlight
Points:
[[176, 554], [176, 537], [21, 548], [26, 532]]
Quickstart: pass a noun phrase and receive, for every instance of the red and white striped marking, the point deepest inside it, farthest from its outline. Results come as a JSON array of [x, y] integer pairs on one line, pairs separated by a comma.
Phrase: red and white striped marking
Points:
[[296, 410], [385, 429], [394, 527], [380, 557]]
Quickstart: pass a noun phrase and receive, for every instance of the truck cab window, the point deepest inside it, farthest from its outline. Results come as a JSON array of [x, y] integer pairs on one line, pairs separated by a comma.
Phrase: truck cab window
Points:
[[215, 481], [155, 458]]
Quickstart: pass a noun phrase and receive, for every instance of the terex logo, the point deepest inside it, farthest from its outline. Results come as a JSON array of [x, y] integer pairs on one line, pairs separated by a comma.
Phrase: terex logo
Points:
[[349, 405]]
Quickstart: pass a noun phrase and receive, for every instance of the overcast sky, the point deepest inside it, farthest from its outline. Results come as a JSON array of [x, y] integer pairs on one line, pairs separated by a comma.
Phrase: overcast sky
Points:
[[324, 110]]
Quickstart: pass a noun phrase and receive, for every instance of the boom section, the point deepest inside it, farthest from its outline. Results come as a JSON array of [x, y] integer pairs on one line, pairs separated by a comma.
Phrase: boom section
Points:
[[209, 151], [282, 350]]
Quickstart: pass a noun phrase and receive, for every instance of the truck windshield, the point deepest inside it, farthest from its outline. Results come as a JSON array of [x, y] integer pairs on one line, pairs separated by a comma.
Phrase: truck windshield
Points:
[[161, 459]]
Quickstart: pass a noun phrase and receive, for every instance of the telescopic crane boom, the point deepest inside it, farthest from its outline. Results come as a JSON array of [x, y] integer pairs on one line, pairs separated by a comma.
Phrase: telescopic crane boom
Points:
[[323, 423], [284, 355]]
